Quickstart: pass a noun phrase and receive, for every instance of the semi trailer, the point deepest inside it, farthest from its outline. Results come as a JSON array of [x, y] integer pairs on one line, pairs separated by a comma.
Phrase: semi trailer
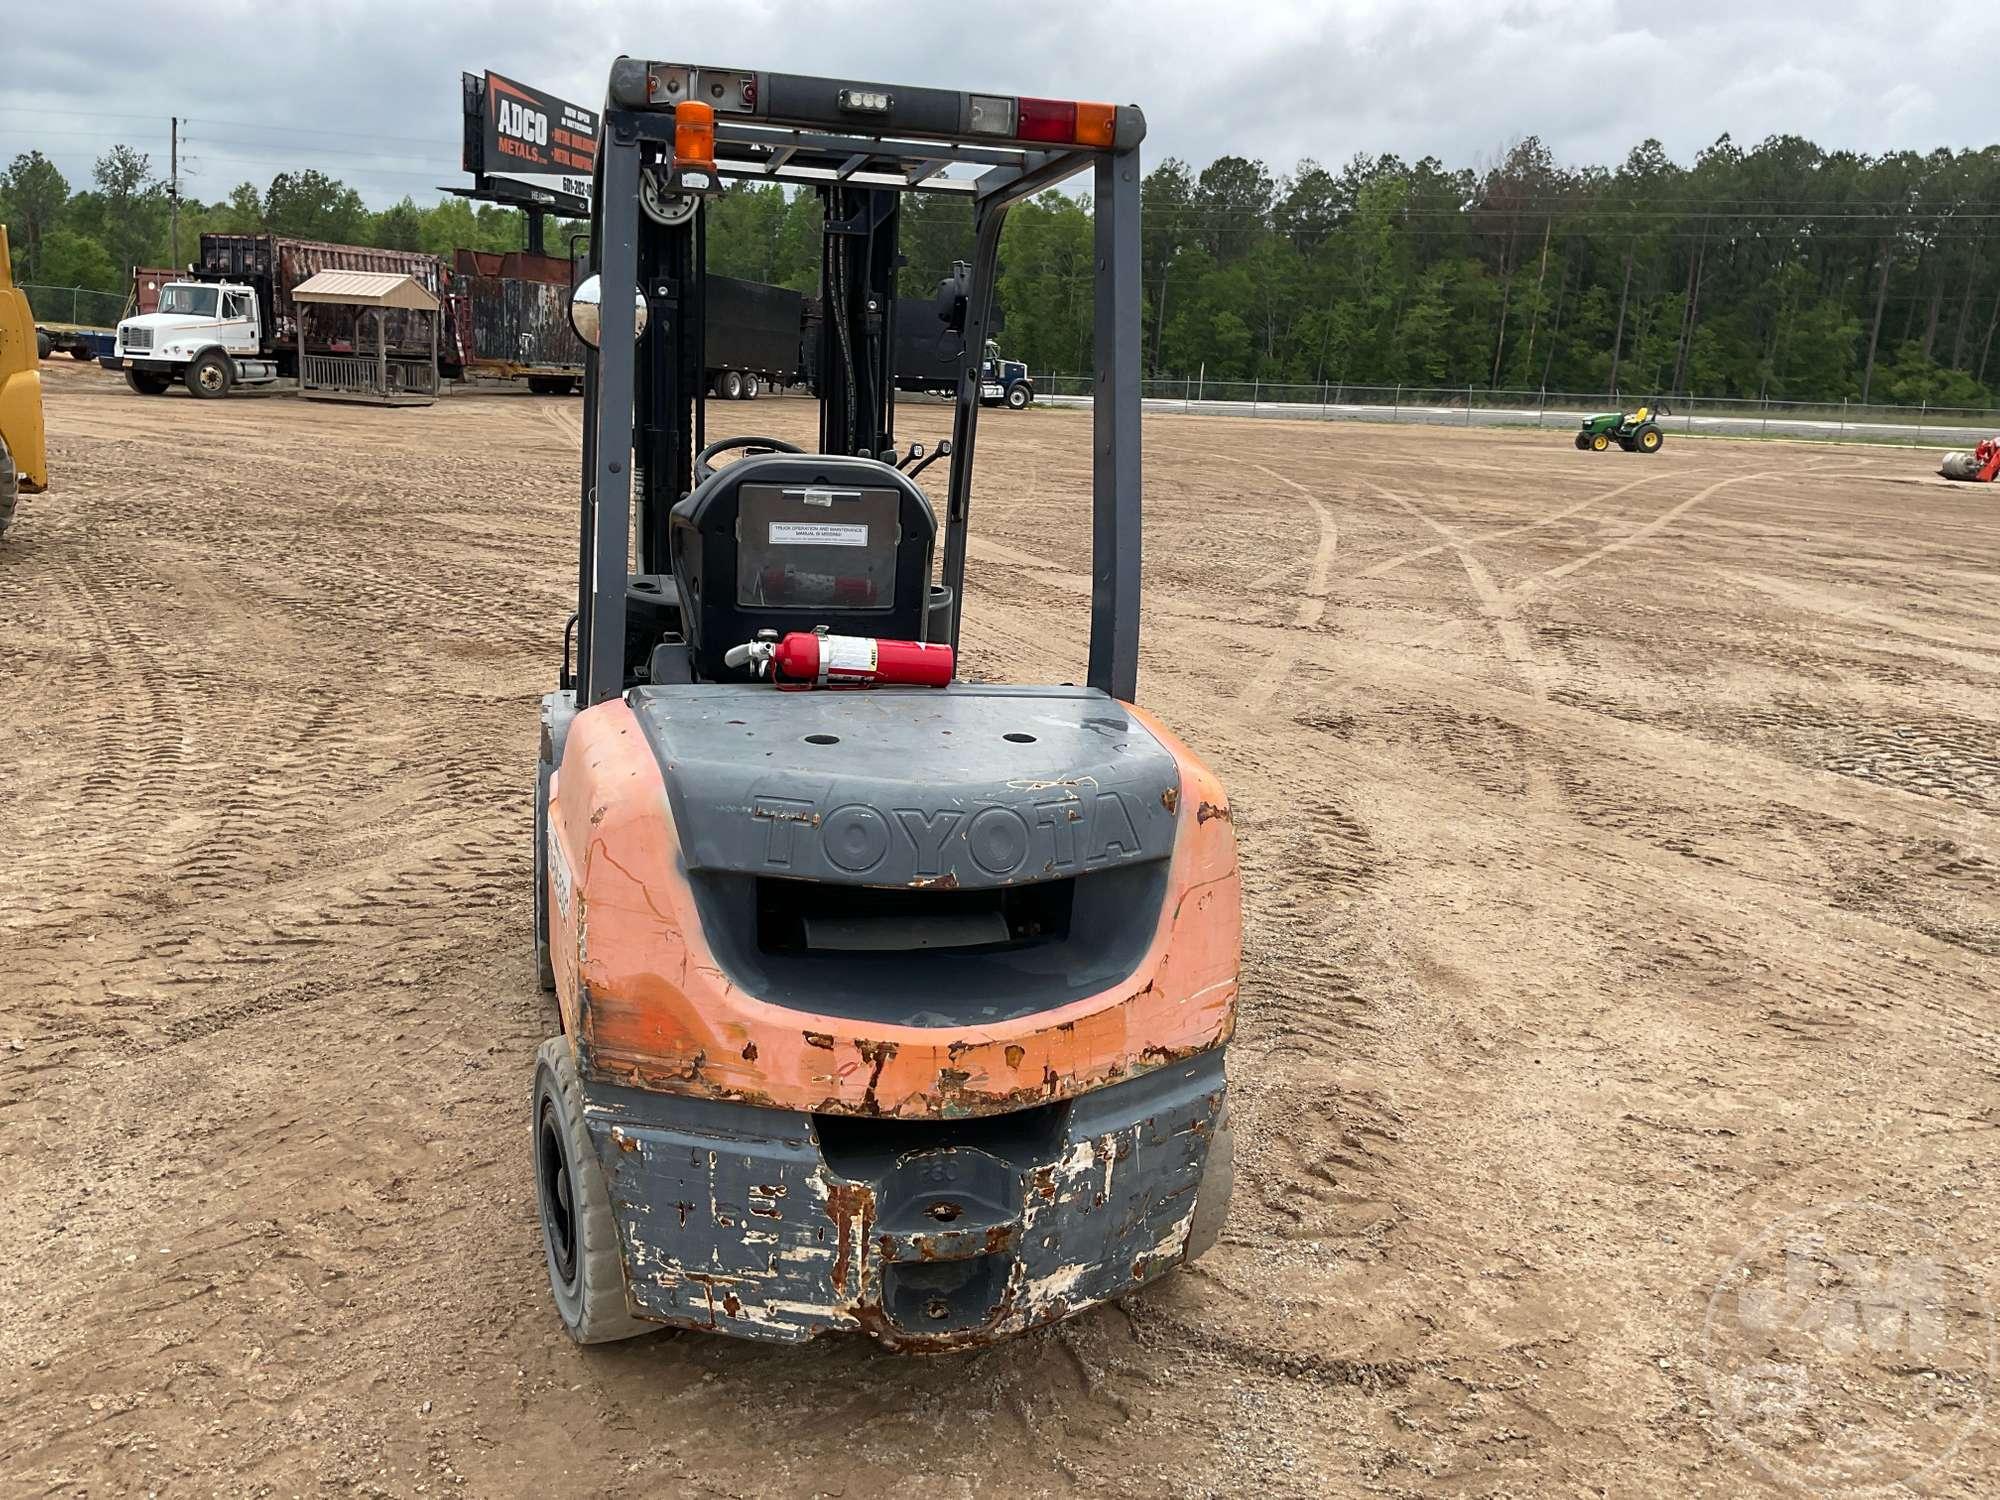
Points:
[[929, 356]]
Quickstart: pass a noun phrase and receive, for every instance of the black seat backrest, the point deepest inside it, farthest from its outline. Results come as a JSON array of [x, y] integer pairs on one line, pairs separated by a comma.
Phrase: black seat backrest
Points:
[[787, 541]]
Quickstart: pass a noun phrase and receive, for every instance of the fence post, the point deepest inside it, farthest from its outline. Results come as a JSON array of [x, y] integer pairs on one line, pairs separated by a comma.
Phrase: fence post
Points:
[[1540, 407], [1397, 410], [1922, 411], [1256, 391], [1841, 436], [1322, 400], [1187, 394], [1468, 406]]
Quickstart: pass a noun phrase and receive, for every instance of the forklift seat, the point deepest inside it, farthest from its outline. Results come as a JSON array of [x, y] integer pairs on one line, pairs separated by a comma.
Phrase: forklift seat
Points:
[[800, 541]]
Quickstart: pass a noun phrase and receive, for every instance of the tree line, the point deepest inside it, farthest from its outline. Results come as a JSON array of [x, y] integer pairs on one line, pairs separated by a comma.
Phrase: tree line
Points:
[[1783, 271]]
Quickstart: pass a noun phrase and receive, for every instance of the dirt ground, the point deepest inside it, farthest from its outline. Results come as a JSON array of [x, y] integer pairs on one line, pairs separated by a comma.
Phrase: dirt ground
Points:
[[1619, 838]]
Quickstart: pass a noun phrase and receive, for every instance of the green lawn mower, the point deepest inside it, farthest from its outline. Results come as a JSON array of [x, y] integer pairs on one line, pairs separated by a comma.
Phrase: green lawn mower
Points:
[[1634, 431]]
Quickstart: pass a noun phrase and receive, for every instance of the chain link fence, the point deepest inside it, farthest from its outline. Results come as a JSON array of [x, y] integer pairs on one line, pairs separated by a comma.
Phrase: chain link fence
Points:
[[82, 305], [1472, 406]]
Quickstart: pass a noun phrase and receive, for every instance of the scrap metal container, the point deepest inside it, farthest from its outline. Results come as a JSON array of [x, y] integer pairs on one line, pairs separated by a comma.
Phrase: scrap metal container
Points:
[[274, 265], [513, 314]]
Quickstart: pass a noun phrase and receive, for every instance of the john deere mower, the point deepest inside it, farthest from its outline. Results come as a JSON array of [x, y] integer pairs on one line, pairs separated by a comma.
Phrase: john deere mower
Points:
[[1634, 431], [890, 1002]]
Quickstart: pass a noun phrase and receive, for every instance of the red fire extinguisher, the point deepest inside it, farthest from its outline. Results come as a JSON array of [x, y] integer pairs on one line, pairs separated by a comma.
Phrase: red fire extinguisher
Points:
[[813, 659]]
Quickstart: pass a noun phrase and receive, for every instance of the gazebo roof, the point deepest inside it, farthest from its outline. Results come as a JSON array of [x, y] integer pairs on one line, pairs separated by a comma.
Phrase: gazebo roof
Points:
[[366, 289]]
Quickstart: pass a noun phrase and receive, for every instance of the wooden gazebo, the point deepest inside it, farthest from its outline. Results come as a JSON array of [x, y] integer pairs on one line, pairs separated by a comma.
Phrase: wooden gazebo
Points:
[[389, 376]]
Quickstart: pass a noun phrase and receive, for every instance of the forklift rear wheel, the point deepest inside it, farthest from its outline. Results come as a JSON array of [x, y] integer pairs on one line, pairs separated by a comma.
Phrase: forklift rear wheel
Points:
[[208, 377], [1583, 441], [1599, 443], [147, 382], [1019, 396], [579, 1235]]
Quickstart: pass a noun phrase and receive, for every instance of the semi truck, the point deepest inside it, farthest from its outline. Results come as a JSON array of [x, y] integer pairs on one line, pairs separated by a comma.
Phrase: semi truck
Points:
[[929, 355], [230, 319]]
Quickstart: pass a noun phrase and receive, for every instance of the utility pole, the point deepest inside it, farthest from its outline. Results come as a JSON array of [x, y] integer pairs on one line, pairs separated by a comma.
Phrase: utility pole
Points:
[[174, 191]]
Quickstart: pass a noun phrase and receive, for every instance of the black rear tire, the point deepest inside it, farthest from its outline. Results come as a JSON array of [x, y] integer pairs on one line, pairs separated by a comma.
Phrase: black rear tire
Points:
[[751, 386], [147, 382], [729, 386], [81, 354], [1583, 441], [10, 487], [44, 345], [579, 1234], [1648, 439], [208, 378]]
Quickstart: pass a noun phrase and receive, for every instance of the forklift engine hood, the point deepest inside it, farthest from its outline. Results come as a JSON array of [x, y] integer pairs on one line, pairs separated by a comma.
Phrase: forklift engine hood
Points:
[[966, 788], [905, 902]]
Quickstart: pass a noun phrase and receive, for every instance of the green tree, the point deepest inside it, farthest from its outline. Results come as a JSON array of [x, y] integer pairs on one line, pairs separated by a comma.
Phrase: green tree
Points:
[[33, 195]]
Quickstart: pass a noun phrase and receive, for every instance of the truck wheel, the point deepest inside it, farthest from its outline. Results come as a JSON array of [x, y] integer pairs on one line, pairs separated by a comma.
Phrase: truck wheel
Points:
[[44, 345], [730, 386], [750, 387], [208, 376], [579, 1235], [1018, 396], [147, 382], [10, 487], [81, 354]]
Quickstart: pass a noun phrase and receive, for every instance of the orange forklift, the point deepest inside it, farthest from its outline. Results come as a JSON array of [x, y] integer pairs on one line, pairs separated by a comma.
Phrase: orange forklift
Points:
[[891, 1003]]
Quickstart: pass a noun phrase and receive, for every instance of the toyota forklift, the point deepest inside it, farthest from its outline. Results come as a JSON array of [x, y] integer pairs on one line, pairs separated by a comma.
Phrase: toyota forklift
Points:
[[891, 1002]]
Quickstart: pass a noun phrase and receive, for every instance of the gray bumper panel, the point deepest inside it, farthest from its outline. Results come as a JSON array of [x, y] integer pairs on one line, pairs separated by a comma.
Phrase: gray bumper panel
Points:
[[930, 1234]]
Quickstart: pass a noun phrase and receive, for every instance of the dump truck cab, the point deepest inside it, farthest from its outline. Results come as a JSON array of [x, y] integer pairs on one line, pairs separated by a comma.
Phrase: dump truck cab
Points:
[[208, 334], [24, 467], [890, 1008]]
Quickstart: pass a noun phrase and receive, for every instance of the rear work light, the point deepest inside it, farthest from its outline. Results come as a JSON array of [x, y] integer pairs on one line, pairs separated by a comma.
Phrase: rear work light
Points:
[[1063, 122]]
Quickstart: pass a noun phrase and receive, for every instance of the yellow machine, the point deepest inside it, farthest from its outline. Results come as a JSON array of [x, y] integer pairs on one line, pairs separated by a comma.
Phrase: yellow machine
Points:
[[24, 464]]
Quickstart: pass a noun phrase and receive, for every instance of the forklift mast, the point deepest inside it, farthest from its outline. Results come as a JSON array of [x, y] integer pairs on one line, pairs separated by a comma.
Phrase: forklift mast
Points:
[[671, 133]]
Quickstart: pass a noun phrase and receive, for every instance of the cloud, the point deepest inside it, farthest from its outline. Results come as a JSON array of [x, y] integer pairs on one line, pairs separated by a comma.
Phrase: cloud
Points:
[[368, 90]]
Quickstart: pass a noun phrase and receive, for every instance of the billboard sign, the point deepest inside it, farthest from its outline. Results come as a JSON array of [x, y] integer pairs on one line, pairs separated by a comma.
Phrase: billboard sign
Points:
[[528, 146]]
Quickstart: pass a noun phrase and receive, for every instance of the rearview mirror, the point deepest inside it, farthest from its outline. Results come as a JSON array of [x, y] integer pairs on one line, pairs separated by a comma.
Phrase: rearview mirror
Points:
[[586, 311]]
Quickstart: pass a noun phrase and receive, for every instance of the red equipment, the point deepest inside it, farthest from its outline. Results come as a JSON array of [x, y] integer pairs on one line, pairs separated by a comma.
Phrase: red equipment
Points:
[[1981, 466], [807, 659]]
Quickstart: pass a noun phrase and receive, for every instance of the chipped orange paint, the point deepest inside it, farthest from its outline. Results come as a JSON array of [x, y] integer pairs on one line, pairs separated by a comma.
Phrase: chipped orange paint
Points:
[[649, 1005]]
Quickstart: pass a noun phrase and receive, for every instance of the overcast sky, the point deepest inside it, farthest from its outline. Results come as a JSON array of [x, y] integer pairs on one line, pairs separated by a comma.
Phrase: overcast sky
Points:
[[368, 90]]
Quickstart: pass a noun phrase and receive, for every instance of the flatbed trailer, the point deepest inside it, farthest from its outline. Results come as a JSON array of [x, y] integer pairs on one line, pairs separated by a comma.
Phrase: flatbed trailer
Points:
[[79, 342]]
